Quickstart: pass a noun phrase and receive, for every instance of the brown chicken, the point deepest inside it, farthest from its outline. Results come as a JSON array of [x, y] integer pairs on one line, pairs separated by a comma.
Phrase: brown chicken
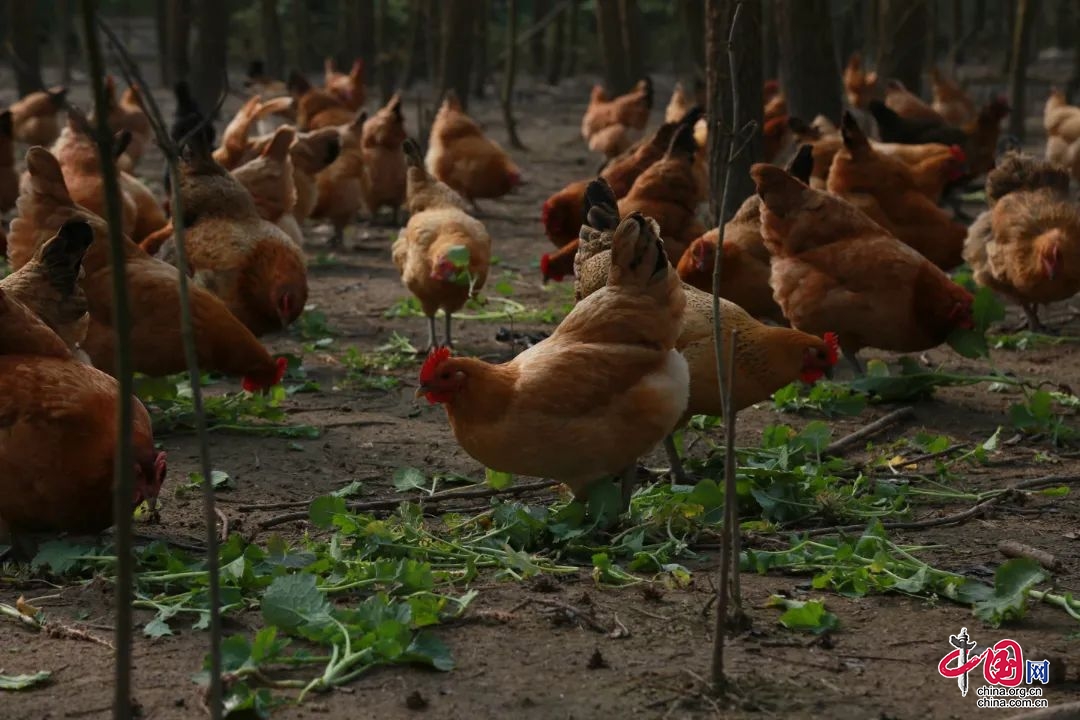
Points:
[[316, 108], [342, 186], [885, 189], [224, 344], [443, 253], [835, 269], [311, 153], [610, 125], [269, 180], [347, 88], [235, 141], [950, 101], [128, 114], [624, 386], [767, 358], [1027, 245], [860, 86], [669, 192], [460, 155], [908, 105], [563, 212], [251, 264], [1062, 123], [775, 102], [682, 102], [58, 424], [384, 162], [9, 176], [35, 118]]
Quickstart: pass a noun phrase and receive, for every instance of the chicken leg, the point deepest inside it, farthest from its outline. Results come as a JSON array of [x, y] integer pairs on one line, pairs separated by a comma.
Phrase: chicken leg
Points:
[[433, 341], [1033, 322], [449, 342], [628, 481], [678, 472]]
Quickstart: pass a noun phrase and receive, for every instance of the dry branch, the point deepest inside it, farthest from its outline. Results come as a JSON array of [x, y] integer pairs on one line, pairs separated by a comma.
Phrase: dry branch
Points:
[[883, 422], [1015, 549]]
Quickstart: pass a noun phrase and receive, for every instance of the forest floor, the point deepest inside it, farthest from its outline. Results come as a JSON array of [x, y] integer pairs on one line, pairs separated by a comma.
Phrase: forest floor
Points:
[[516, 659]]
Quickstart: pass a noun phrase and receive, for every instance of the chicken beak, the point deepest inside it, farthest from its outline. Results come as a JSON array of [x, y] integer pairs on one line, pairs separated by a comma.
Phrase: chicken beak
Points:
[[421, 391]]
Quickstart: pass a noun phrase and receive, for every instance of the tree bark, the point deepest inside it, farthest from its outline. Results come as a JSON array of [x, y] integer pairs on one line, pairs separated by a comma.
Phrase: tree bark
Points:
[[537, 49], [808, 71], [385, 68], [871, 24], [433, 37], [23, 32], [161, 35], [68, 38], [556, 58], [456, 56], [691, 15], [413, 37], [273, 42], [770, 43], [1025, 14], [630, 23], [749, 81], [210, 69], [717, 86], [507, 95], [483, 19], [621, 68], [902, 48], [179, 29], [573, 21], [301, 21]]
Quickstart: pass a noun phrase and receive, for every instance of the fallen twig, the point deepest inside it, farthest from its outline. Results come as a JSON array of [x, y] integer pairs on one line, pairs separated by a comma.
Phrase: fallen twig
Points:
[[885, 421], [1014, 549], [575, 613], [391, 503]]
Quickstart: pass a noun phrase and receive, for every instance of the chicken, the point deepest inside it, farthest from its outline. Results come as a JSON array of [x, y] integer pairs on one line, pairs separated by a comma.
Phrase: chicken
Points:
[[766, 358], [563, 212], [34, 117], [669, 192], [235, 143], [128, 114], [58, 435], [682, 102], [48, 285], [348, 88], [443, 253], [342, 186], [223, 344], [9, 176], [316, 108], [384, 163], [744, 272], [1026, 246], [774, 100], [77, 153], [251, 264], [885, 189], [1062, 123], [259, 82], [460, 155], [860, 86], [950, 101], [978, 139], [908, 105], [188, 121], [623, 386], [835, 269], [269, 180], [610, 125]]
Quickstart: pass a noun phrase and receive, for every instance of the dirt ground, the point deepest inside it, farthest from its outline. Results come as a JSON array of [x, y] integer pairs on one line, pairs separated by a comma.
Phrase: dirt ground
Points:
[[881, 664]]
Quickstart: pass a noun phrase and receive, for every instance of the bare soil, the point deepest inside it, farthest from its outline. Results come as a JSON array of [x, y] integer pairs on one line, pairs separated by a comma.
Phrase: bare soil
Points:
[[528, 663]]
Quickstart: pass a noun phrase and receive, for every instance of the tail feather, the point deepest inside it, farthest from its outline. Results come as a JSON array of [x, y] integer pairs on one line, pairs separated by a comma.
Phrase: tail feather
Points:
[[601, 206], [802, 164], [62, 256], [1017, 172]]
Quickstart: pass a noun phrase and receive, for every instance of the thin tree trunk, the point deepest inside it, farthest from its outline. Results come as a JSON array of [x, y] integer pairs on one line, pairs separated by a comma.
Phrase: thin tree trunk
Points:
[[1025, 14], [630, 23], [273, 43], [537, 53], [902, 46], [1009, 12], [1063, 24], [609, 27], [770, 43], [556, 58], [433, 37], [161, 34], [456, 55], [1074, 81], [808, 71], [348, 31], [210, 70], [978, 20], [68, 38], [483, 19], [365, 31], [179, 29], [413, 34], [871, 24], [748, 85], [509, 70], [301, 21], [574, 21], [23, 32], [385, 71], [717, 86], [692, 18]]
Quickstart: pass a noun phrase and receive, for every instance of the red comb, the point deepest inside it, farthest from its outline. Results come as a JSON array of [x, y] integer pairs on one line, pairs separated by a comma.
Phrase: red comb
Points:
[[958, 153], [434, 359], [545, 267], [251, 385], [833, 342]]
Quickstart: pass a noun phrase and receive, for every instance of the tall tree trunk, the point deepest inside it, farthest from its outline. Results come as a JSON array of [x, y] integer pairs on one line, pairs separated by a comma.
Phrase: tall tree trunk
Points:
[[456, 55], [871, 29], [385, 67], [210, 70], [574, 21], [717, 99], [846, 26], [770, 42], [616, 66], [365, 28], [1025, 15], [1063, 24], [507, 94], [537, 53], [902, 47], [483, 19], [630, 22], [23, 32], [433, 37], [1074, 80], [413, 36], [161, 35], [180, 17], [748, 82], [68, 38], [273, 42], [808, 71], [305, 53], [556, 58], [978, 20], [692, 17]]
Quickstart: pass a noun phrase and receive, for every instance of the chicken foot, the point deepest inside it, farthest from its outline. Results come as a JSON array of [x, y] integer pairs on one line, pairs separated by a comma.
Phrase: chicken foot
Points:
[[678, 472], [433, 341], [1033, 322], [628, 482]]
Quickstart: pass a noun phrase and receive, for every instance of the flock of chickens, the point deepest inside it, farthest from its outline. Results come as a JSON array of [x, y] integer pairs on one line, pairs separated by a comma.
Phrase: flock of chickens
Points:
[[844, 249]]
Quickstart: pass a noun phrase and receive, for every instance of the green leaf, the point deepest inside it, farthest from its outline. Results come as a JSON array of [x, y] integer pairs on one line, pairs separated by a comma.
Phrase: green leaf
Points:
[[59, 556], [235, 654], [22, 682], [809, 616], [604, 503], [294, 601], [1059, 491], [353, 488], [408, 478], [987, 309], [1012, 581], [323, 509], [458, 256], [157, 628], [498, 480], [427, 649]]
